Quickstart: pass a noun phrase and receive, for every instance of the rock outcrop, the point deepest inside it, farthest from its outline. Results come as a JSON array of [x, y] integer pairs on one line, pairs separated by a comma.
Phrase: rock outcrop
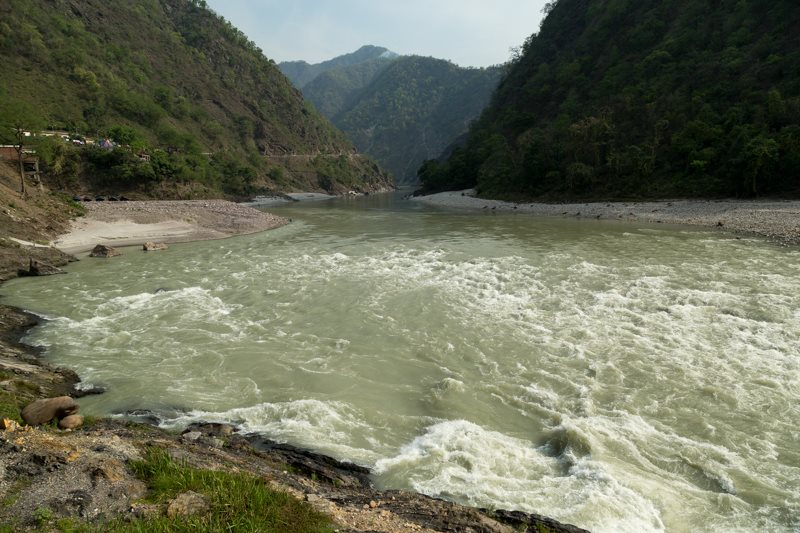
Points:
[[154, 246], [101, 250], [39, 268], [45, 410]]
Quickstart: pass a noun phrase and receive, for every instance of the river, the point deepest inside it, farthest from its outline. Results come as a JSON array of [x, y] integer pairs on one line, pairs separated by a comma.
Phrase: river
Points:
[[617, 376]]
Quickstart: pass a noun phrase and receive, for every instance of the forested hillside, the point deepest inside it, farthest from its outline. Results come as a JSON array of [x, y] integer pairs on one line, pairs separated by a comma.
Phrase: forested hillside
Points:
[[197, 106], [401, 110], [413, 110], [626, 98], [338, 89]]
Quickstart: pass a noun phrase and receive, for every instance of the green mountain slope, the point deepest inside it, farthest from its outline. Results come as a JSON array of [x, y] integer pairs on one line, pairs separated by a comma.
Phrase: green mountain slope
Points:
[[336, 90], [413, 110], [302, 73], [173, 80], [626, 98]]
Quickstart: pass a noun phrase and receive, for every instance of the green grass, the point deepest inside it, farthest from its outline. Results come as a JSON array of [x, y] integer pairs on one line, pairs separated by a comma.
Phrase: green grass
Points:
[[78, 209], [9, 406], [12, 401], [239, 502]]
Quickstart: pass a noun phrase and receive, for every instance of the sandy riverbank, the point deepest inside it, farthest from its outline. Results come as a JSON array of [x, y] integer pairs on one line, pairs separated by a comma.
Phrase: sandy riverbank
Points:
[[774, 219], [134, 223]]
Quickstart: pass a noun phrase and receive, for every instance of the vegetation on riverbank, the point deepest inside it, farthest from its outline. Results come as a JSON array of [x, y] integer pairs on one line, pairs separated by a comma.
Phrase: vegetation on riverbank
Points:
[[236, 502], [641, 99], [194, 108]]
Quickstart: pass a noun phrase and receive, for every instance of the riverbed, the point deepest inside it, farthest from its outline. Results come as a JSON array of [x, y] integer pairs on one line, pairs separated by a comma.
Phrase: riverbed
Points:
[[621, 376]]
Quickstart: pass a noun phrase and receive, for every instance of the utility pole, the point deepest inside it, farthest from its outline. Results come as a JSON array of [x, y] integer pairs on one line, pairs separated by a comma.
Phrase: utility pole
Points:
[[20, 149]]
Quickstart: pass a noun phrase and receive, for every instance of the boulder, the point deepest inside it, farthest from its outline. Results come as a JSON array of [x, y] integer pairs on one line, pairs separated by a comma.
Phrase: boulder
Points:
[[71, 422], [154, 246], [82, 392], [101, 250], [38, 268], [187, 504], [212, 429], [44, 410], [191, 436]]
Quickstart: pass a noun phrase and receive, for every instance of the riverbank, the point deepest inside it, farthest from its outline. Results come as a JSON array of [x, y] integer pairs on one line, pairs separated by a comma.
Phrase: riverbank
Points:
[[134, 223], [773, 219]]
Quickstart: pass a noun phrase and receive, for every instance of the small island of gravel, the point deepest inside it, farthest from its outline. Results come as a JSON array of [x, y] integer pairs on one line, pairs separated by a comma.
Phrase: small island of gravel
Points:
[[134, 223], [777, 220]]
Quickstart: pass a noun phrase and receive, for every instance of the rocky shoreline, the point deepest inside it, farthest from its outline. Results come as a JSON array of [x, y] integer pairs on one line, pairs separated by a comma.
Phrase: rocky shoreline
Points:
[[84, 475], [776, 220]]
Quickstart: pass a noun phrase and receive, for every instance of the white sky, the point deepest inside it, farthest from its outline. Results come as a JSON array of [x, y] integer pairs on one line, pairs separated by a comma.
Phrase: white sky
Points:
[[468, 32]]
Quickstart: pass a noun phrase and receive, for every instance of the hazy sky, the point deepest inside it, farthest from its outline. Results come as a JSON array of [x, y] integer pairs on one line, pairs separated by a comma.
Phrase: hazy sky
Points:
[[468, 32]]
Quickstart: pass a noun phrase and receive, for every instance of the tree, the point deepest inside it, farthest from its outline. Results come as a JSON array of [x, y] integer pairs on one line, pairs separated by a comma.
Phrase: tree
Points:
[[16, 118], [761, 152]]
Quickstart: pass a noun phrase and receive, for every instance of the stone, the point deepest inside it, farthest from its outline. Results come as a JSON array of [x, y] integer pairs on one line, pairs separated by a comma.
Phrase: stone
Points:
[[191, 436], [154, 246], [79, 391], [44, 410], [187, 504], [215, 442], [145, 511], [111, 470], [9, 425], [71, 422], [213, 429], [101, 250], [39, 268]]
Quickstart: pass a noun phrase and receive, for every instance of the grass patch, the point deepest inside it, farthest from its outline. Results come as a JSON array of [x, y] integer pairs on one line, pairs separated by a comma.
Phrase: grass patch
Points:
[[9, 406], [13, 493], [77, 208], [239, 502]]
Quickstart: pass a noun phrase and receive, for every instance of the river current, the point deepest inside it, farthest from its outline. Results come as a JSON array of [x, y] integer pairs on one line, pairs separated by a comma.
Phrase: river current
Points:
[[617, 376]]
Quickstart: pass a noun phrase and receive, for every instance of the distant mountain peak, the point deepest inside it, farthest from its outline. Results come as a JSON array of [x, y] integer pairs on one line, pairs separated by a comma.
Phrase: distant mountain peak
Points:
[[301, 73]]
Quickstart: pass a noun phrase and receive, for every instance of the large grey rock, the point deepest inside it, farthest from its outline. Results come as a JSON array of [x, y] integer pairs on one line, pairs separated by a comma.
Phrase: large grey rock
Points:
[[101, 250], [154, 246], [44, 410], [187, 504]]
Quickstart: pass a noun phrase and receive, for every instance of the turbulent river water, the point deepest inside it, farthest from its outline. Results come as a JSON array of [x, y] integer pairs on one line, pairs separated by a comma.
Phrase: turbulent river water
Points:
[[617, 376]]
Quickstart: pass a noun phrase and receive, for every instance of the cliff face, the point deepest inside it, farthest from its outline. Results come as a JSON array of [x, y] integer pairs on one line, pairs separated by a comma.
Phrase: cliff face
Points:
[[174, 80], [630, 98]]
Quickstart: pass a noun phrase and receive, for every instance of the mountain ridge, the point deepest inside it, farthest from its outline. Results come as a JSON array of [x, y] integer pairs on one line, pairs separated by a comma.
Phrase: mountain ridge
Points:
[[172, 79], [401, 110], [640, 99], [301, 73]]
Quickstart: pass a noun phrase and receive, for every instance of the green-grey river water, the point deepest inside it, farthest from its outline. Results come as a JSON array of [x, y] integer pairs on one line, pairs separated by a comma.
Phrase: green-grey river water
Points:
[[617, 376]]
